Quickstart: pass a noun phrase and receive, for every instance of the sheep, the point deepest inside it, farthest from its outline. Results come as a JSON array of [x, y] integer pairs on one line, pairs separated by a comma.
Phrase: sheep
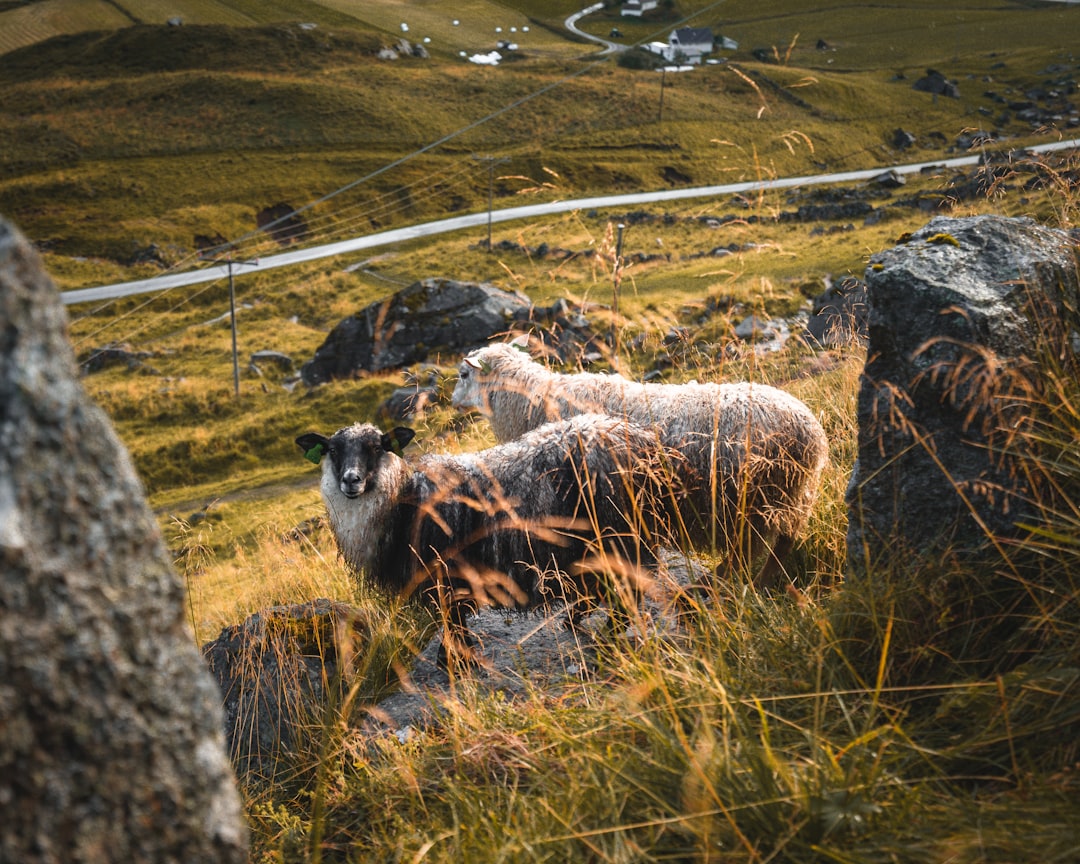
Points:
[[525, 524], [754, 454]]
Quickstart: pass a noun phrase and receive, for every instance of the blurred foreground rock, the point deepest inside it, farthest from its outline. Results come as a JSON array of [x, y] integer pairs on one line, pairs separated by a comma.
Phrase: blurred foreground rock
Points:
[[111, 747]]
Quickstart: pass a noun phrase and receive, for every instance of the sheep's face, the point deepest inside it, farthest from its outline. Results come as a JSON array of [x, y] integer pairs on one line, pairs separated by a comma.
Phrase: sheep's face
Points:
[[468, 392], [354, 454], [487, 370]]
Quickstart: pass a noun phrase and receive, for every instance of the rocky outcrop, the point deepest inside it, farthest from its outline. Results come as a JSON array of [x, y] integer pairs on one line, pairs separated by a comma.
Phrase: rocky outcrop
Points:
[[429, 318], [112, 747], [959, 312], [438, 320]]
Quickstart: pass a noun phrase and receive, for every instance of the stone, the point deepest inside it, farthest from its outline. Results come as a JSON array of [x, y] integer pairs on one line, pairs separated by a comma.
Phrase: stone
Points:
[[282, 223], [890, 179], [112, 747], [430, 318], [754, 329], [408, 402], [958, 313], [937, 84], [266, 357], [113, 354], [902, 139], [279, 672], [838, 316]]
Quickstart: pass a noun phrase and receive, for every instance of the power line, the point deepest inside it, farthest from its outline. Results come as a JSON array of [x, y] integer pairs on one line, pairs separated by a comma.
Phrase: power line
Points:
[[427, 148], [236, 244]]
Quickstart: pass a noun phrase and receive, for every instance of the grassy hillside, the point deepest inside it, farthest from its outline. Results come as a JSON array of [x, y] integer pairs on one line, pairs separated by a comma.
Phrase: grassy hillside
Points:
[[114, 140], [773, 731]]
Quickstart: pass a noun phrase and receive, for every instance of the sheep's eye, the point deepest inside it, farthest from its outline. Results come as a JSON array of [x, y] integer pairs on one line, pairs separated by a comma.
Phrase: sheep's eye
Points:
[[464, 375]]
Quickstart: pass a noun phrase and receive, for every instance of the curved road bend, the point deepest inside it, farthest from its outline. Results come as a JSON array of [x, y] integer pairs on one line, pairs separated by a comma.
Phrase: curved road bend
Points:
[[472, 220], [571, 25]]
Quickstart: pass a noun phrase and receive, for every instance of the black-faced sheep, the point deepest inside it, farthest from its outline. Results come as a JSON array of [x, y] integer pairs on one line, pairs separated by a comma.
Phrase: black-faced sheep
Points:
[[753, 453], [552, 517]]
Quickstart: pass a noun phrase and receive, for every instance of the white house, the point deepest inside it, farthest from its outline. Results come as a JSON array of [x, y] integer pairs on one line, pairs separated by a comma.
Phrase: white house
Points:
[[689, 44], [638, 8]]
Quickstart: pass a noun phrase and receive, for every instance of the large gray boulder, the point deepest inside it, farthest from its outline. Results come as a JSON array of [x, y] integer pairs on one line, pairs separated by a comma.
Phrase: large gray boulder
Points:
[[429, 318], [111, 747], [959, 313]]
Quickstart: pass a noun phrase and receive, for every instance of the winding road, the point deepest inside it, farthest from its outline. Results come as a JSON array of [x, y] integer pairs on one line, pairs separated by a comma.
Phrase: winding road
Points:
[[571, 25], [473, 220]]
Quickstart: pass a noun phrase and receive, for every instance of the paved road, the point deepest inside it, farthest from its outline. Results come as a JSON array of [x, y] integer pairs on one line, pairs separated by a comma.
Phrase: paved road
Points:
[[571, 25], [473, 220]]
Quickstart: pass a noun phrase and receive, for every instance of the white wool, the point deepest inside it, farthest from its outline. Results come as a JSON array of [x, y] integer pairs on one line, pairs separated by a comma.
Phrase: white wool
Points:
[[746, 436]]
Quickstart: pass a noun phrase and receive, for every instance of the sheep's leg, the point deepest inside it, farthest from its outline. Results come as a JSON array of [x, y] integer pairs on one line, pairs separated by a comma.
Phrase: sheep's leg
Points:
[[458, 648], [576, 611], [623, 595], [773, 566]]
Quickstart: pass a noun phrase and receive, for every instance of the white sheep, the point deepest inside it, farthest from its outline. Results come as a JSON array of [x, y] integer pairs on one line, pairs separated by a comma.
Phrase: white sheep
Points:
[[560, 515], [753, 453]]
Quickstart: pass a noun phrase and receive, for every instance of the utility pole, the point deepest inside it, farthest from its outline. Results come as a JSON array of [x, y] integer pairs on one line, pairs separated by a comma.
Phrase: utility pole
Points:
[[660, 112], [229, 263], [491, 161], [616, 285]]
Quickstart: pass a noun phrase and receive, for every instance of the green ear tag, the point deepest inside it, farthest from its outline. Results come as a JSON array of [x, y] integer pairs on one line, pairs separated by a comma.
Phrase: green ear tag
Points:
[[314, 454]]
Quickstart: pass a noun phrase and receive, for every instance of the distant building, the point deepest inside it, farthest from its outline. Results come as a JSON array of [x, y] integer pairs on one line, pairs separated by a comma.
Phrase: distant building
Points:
[[690, 44], [638, 8]]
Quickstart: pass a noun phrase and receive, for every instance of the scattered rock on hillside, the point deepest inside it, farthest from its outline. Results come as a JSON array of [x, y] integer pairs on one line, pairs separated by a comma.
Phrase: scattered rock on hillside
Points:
[[429, 318], [937, 84], [902, 139], [112, 747], [890, 179], [204, 242], [281, 222], [113, 354], [272, 358]]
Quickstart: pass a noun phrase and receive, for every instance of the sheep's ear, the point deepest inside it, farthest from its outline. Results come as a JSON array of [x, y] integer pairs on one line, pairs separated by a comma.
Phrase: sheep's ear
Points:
[[398, 440], [521, 342], [314, 445], [479, 365]]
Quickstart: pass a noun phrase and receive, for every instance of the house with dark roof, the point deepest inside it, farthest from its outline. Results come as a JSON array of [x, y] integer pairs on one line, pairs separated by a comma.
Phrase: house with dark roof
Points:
[[690, 44], [638, 7]]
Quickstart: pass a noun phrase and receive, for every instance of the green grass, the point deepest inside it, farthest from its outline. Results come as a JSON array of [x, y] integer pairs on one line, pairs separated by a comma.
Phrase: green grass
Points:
[[818, 726]]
